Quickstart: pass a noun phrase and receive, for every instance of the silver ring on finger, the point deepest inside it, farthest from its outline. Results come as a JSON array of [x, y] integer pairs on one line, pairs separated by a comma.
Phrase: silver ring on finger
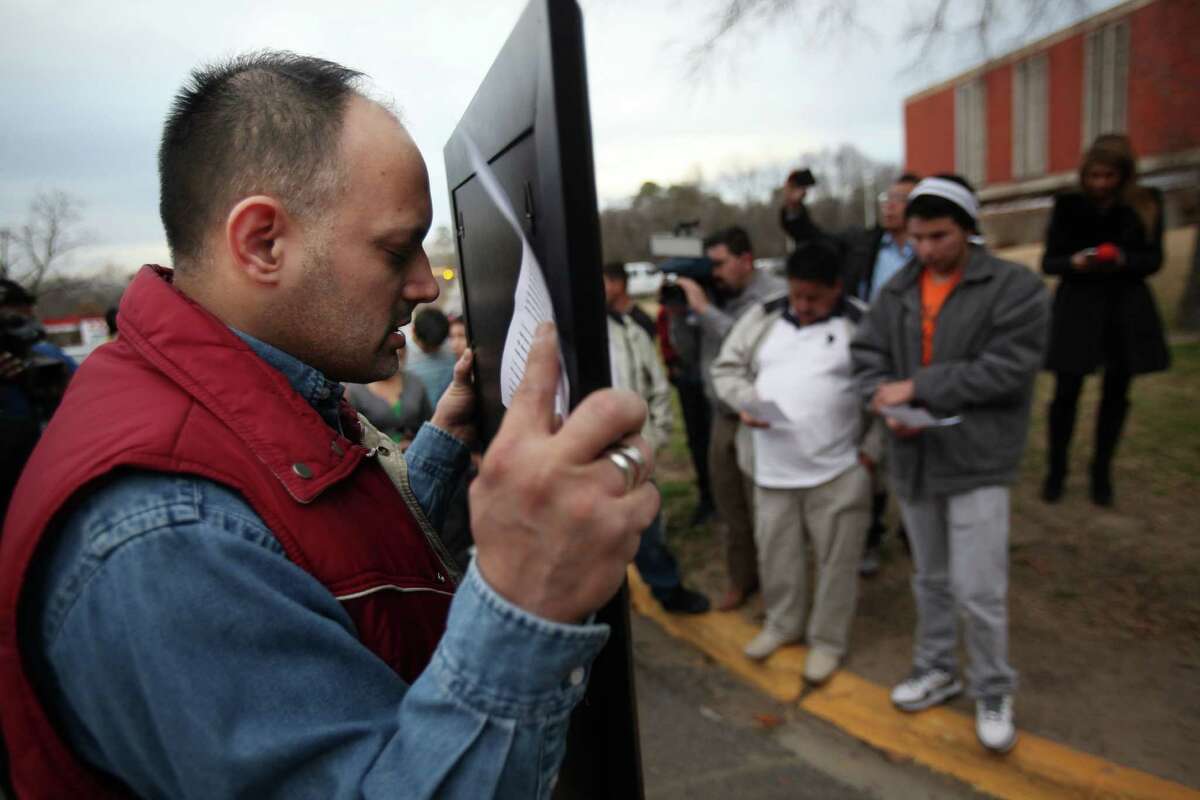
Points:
[[628, 468], [634, 454]]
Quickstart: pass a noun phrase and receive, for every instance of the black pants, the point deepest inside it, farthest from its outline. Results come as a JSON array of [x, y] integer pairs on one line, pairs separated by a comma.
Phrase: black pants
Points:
[[697, 423], [1114, 407]]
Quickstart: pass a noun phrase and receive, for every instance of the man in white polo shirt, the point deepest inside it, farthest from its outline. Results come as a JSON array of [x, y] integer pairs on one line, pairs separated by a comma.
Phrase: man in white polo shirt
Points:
[[810, 471]]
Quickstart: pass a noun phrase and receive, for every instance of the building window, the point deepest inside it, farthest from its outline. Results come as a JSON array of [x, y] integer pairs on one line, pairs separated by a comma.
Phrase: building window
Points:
[[1029, 117], [1105, 80], [970, 131]]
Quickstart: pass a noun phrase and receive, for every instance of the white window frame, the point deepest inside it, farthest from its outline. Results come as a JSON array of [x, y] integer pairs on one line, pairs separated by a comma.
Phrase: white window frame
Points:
[[1105, 81], [970, 130], [1030, 116]]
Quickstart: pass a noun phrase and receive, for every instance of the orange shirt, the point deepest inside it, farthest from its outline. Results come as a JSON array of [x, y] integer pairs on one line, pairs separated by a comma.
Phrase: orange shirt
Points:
[[933, 297]]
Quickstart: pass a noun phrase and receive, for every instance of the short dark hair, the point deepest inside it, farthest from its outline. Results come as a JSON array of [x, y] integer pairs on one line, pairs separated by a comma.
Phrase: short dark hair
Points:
[[614, 270], [908, 177], [929, 206], [734, 237], [819, 260], [431, 327], [267, 122]]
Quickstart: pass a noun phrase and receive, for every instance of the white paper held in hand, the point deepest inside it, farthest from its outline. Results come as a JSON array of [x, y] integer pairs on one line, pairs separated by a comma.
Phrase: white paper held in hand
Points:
[[766, 411], [531, 300], [914, 417]]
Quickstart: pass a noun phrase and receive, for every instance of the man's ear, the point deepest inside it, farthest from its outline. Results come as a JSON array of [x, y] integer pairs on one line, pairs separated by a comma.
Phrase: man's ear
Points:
[[255, 233]]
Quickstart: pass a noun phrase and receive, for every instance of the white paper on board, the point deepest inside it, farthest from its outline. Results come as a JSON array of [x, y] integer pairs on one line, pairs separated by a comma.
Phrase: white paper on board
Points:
[[531, 300], [914, 417], [766, 410]]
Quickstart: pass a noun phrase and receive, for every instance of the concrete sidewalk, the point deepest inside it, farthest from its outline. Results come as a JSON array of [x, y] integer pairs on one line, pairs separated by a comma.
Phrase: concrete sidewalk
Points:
[[939, 738]]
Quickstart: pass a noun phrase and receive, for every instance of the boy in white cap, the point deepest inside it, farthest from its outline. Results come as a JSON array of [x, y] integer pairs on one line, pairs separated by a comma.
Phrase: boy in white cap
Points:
[[961, 333]]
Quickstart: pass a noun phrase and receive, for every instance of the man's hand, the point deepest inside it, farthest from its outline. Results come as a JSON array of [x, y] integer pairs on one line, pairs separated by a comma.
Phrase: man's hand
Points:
[[10, 366], [752, 422], [697, 299], [1081, 260], [554, 527], [895, 393], [455, 412]]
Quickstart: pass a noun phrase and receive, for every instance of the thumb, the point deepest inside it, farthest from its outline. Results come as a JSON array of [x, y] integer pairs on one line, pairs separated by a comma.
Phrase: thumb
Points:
[[462, 368]]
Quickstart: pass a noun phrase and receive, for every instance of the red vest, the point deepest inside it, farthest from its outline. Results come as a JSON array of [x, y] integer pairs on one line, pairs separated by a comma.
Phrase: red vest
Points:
[[179, 392]]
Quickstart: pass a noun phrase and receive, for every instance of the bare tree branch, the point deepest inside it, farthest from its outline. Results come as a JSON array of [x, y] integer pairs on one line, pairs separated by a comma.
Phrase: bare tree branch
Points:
[[934, 22], [42, 242]]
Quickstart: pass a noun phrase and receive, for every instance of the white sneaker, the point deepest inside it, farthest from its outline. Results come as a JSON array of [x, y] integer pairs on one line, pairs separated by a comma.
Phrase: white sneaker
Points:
[[819, 665], [767, 642], [925, 688], [994, 723]]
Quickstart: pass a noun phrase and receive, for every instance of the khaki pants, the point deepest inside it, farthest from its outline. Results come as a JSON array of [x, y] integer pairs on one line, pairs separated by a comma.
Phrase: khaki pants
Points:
[[834, 516], [733, 493]]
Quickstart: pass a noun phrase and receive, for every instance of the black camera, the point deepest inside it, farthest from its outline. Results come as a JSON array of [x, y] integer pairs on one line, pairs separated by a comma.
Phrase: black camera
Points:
[[19, 333], [698, 269], [44, 377]]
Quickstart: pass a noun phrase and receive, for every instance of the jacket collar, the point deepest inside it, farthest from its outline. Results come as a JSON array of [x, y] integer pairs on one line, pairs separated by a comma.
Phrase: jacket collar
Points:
[[201, 355], [321, 393], [979, 268]]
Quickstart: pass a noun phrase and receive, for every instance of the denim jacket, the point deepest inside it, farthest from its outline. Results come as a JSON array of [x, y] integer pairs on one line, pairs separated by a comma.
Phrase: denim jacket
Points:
[[269, 692]]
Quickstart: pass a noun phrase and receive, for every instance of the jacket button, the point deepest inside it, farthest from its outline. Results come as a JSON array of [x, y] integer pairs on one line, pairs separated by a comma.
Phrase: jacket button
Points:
[[383, 451], [577, 675], [302, 469]]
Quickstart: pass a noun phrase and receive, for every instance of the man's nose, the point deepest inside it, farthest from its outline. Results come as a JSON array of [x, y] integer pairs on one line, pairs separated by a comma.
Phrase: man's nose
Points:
[[423, 288]]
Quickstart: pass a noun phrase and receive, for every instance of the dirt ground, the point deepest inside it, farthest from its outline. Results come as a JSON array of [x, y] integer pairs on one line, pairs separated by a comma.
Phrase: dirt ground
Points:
[[1104, 604]]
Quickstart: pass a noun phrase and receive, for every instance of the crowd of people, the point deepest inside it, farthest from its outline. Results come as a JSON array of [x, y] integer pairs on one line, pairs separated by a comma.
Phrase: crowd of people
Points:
[[242, 584], [901, 359]]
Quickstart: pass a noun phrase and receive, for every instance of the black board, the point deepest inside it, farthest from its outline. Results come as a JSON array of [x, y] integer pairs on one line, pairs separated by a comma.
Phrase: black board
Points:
[[530, 121]]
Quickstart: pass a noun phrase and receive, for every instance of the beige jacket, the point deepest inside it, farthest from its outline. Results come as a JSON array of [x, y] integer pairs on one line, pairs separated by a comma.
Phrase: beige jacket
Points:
[[635, 366]]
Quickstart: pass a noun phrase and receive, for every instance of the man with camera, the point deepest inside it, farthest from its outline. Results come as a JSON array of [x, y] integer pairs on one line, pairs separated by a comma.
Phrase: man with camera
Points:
[[738, 286], [217, 581], [33, 377]]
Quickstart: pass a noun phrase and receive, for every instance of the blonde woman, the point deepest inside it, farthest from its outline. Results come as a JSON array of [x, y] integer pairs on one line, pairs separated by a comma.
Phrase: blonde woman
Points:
[[1103, 241]]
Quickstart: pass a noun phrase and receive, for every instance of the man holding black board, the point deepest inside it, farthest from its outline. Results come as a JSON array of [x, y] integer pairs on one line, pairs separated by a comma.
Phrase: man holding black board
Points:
[[234, 587]]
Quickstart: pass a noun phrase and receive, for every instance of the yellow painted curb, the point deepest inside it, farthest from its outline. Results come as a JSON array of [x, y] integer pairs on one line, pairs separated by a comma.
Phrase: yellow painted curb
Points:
[[939, 738]]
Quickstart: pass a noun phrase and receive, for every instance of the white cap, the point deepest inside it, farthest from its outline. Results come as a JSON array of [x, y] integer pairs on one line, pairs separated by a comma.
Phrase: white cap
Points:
[[953, 191]]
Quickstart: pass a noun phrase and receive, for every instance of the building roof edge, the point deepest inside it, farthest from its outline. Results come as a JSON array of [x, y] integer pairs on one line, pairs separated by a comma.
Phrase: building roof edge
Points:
[[1083, 26]]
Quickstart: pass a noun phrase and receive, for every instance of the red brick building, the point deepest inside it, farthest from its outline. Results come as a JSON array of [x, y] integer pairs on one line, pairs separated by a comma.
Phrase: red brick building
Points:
[[1018, 124]]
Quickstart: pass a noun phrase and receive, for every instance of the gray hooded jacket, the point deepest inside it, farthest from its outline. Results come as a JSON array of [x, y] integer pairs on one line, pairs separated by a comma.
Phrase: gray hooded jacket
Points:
[[987, 349]]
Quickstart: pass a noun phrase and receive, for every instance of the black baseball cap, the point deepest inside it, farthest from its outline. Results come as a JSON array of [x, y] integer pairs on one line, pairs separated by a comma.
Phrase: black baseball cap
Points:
[[14, 294], [801, 177]]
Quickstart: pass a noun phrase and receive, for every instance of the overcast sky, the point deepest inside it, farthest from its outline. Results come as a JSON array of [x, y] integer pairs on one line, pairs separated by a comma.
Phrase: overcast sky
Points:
[[84, 89]]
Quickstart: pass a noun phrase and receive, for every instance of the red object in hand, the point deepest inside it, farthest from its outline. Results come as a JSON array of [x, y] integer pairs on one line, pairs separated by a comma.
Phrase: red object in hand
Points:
[[1107, 253]]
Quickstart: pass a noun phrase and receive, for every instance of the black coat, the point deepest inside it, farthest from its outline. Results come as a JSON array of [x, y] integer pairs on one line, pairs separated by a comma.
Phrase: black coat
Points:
[[859, 247], [1104, 317]]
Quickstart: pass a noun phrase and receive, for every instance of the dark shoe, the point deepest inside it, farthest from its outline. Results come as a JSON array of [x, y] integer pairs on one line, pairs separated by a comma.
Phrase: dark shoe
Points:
[[1052, 488], [1102, 492], [701, 516], [685, 601], [869, 565]]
